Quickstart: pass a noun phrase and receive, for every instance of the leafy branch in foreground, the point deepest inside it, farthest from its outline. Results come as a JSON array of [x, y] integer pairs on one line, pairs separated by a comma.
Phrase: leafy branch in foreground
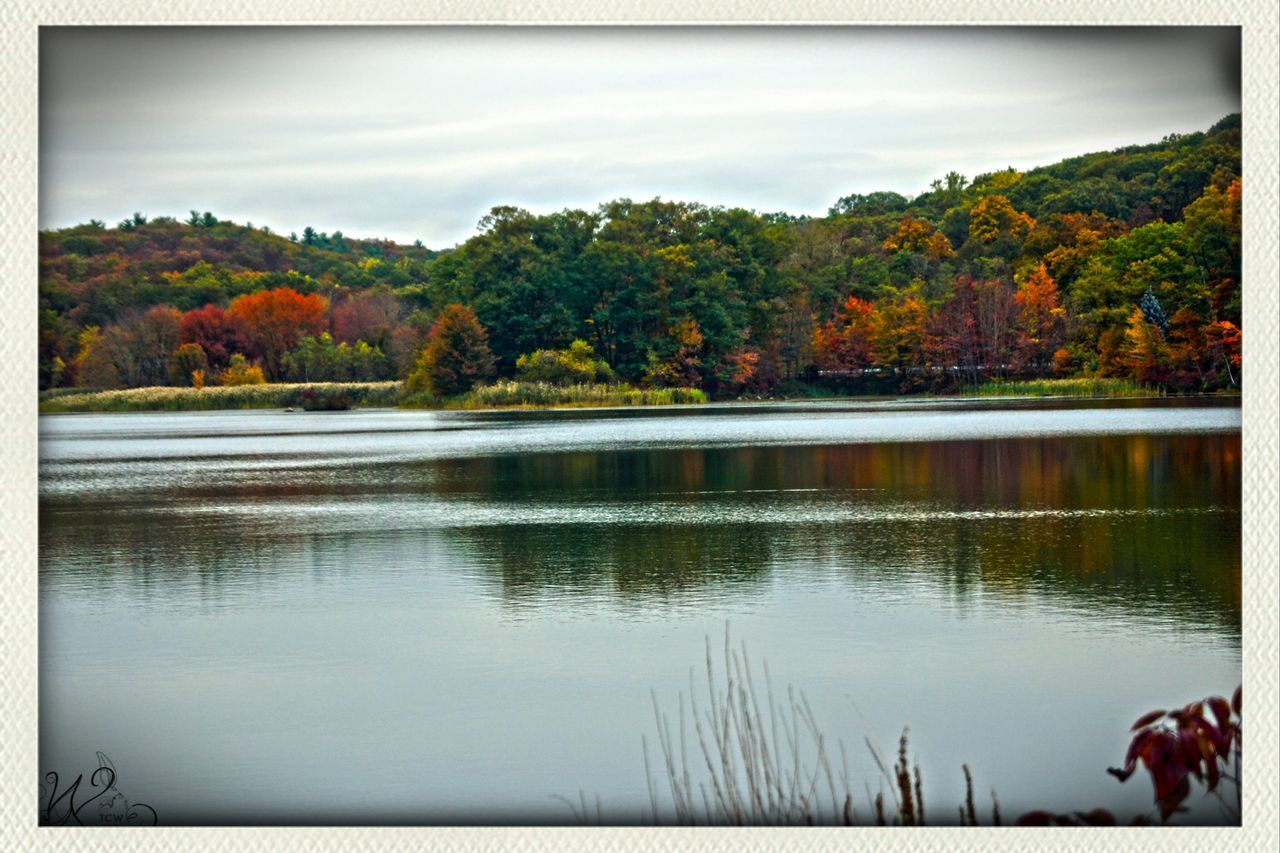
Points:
[[771, 765], [1175, 747]]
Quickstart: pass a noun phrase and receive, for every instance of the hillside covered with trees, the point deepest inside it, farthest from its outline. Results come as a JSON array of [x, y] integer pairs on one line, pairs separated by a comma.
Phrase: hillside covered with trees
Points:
[[1123, 263]]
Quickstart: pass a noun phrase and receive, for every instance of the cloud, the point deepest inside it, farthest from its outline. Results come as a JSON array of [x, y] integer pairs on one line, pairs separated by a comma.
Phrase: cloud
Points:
[[416, 132]]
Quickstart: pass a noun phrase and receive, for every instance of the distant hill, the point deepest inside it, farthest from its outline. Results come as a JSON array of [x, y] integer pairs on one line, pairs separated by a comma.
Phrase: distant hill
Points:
[[1118, 263]]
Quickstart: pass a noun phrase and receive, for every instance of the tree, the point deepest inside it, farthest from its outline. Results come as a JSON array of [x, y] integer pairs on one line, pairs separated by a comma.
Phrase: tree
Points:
[[871, 204], [367, 315], [1144, 353], [319, 359], [241, 372], [994, 217], [275, 320], [217, 333], [913, 235], [1223, 342], [132, 353], [1040, 318], [577, 364], [679, 363], [898, 336], [456, 357], [187, 361], [845, 343], [1153, 311]]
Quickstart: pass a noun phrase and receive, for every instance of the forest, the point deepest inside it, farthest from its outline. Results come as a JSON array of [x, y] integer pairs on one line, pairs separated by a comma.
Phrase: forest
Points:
[[1123, 263]]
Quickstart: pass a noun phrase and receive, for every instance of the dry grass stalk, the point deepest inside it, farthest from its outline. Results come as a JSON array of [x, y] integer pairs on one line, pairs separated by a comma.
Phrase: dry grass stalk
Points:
[[766, 763]]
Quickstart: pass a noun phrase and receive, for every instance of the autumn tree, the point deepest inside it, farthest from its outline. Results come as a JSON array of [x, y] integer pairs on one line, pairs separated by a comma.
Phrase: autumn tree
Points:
[[995, 318], [994, 217], [912, 235], [677, 361], [369, 315], [898, 337], [1040, 318], [1144, 353], [217, 333], [186, 361], [134, 352], [845, 342], [457, 355], [275, 320], [1222, 340], [240, 372]]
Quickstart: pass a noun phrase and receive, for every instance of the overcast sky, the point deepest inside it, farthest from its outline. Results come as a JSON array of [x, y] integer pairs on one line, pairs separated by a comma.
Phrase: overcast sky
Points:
[[414, 133]]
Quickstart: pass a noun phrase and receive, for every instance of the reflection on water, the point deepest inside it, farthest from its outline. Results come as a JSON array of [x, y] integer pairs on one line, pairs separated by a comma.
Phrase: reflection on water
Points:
[[1126, 522], [587, 539]]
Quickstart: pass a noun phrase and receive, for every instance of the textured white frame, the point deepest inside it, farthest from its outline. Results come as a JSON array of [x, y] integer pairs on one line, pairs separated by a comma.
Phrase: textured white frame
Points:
[[19, 23]]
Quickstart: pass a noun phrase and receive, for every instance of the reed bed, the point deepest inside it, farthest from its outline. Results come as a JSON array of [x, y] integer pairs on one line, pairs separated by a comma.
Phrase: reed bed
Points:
[[1077, 387], [770, 764], [512, 394], [270, 396]]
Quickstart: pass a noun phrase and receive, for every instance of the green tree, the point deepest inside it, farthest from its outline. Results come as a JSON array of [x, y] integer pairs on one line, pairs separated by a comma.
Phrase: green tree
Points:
[[577, 364], [186, 360]]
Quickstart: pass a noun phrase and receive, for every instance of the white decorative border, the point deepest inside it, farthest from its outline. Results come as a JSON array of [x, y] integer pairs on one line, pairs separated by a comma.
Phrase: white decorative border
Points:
[[18, 437]]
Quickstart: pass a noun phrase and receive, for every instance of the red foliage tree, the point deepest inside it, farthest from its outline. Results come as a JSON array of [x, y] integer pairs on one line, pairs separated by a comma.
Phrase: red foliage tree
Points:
[[218, 334], [370, 316]]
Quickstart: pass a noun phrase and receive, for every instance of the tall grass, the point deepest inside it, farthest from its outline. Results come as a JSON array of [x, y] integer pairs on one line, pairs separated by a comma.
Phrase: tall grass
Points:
[[170, 399], [508, 394], [51, 393], [769, 765], [512, 394], [1077, 387]]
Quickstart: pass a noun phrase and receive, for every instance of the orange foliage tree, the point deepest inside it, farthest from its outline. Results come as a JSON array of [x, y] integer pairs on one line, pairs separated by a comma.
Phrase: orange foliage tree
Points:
[[457, 354], [898, 337], [275, 320], [1040, 318], [844, 343], [1144, 353]]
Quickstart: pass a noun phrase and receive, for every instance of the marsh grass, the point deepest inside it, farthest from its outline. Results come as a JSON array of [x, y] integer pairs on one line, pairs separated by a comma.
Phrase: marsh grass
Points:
[[754, 764], [54, 393], [174, 399], [1078, 387], [513, 394], [314, 395]]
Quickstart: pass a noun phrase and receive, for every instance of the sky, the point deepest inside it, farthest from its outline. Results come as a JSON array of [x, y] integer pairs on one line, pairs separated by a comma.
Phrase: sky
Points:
[[416, 132]]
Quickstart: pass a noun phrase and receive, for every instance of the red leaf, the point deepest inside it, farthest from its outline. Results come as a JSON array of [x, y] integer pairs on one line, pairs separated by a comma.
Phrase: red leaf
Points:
[[1146, 720], [1221, 711], [1235, 700], [1224, 745]]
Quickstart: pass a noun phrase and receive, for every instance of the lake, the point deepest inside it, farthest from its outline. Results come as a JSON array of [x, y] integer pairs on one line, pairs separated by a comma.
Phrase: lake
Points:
[[425, 617]]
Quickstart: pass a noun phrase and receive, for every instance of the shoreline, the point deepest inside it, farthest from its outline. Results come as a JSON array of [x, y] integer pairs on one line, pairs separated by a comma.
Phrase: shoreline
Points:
[[389, 395]]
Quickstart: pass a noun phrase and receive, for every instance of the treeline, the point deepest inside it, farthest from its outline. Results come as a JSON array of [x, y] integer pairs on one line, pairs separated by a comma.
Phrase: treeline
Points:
[[1117, 264]]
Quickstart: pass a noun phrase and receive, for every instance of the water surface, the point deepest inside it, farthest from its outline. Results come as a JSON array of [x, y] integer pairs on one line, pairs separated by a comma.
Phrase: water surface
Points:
[[451, 617]]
